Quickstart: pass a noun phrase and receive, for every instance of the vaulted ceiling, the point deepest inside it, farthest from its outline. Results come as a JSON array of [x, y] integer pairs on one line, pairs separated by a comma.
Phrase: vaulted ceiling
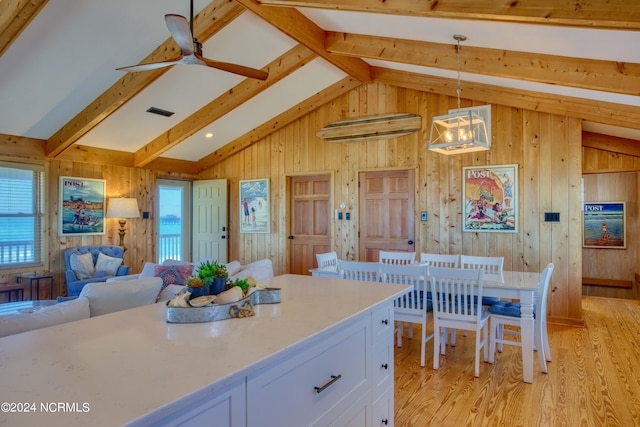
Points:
[[60, 90]]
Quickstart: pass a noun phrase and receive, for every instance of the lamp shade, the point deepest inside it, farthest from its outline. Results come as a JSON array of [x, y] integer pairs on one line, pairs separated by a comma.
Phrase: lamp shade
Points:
[[123, 207], [457, 133]]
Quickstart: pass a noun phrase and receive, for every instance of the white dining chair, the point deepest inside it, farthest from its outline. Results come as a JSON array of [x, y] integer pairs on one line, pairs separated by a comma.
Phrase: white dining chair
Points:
[[359, 270], [412, 307], [491, 265], [508, 314], [440, 260], [327, 260], [454, 291], [394, 257]]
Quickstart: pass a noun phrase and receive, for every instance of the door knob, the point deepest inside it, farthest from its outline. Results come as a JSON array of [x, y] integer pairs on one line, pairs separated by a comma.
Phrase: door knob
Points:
[[291, 237], [410, 242]]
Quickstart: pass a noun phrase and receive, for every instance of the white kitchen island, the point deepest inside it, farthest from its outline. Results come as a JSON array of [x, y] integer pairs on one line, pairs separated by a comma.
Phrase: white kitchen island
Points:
[[324, 355]]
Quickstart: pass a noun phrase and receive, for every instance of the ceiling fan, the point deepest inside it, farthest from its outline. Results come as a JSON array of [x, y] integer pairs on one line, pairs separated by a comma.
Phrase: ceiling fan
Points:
[[191, 51]]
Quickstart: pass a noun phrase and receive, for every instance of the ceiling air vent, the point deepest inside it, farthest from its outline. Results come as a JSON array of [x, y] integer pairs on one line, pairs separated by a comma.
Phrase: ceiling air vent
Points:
[[160, 112]]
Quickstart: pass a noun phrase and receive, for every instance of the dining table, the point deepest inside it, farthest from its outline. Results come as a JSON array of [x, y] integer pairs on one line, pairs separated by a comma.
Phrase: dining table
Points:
[[522, 286], [516, 285]]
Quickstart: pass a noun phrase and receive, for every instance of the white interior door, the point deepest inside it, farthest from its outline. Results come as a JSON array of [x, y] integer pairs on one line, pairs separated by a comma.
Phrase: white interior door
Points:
[[210, 224]]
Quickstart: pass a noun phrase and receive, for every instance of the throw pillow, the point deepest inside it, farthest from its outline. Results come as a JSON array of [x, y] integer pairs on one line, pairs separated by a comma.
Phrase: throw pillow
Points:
[[148, 269], [56, 314], [108, 297], [82, 265], [108, 263], [173, 274], [233, 267]]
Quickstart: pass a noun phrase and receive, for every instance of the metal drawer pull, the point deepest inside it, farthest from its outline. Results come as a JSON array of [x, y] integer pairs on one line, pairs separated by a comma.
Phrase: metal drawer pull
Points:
[[385, 322], [385, 366], [333, 379], [385, 421]]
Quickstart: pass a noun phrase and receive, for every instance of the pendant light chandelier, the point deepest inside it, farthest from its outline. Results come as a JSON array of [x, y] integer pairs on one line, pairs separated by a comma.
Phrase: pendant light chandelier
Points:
[[462, 131]]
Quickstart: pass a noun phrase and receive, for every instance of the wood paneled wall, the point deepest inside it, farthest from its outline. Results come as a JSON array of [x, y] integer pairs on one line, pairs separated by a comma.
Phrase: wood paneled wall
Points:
[[120, 182], [617, 264], [546, 147]]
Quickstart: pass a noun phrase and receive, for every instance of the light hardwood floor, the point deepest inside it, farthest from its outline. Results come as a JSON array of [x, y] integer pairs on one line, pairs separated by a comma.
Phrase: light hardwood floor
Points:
[[593, 380]]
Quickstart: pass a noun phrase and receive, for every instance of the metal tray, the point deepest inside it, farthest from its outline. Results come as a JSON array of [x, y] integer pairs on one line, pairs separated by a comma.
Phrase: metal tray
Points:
[[223, 311]]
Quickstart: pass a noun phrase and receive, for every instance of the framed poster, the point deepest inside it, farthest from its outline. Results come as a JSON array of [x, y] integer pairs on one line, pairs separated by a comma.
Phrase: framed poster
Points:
[[81, 208], [490, 198], [604, 225], [254, 206]]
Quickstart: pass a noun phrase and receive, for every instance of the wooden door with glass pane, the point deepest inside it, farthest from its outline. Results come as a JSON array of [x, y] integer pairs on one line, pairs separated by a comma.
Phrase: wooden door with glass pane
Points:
[[387, 217], [310, 221]]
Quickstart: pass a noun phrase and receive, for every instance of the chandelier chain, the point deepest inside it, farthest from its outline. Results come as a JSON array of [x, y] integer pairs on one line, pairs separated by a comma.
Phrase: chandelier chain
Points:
[[458, 89]]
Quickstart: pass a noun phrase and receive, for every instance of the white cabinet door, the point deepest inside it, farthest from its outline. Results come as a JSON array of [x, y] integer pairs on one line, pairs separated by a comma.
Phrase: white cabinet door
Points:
[[225, 408]]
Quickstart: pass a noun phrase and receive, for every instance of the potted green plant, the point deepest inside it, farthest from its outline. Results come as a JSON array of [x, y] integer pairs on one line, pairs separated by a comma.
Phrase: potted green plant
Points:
[[214, 275], [196, 286]]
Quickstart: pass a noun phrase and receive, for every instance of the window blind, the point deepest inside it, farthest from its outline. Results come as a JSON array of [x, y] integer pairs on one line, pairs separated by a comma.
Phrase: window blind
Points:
[[21, 215]]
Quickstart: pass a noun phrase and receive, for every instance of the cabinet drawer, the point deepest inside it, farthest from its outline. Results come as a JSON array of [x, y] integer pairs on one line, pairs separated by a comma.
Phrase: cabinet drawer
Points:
[[382, 366], [382, 322], [286, 394], [383, 409]]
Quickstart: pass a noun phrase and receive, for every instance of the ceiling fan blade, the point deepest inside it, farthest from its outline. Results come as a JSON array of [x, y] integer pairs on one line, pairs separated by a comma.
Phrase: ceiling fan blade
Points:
[[234, 68], [181, 33], [151, 65]]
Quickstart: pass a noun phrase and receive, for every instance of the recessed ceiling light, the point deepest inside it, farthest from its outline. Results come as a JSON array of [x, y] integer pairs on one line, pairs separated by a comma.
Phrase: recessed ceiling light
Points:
[[208, 135]]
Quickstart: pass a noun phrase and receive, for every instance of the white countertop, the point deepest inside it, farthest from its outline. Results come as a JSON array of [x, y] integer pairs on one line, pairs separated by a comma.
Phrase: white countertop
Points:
[[124, 365]]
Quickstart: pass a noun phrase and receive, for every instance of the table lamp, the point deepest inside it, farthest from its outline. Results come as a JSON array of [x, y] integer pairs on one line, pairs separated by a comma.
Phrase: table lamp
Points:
[[123, 208]]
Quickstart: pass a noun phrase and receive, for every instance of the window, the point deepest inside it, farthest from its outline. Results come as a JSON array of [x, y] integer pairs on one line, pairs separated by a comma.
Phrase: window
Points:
[[21, 215]]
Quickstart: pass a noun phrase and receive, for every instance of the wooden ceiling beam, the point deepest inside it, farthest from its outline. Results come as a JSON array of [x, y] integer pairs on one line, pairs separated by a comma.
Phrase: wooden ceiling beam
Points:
[[608, 76], [278, 122], [21, 146], [596, 111], [304, 31], [15, 16], [278, 69], [610, 14], [210, 20], [611, 143]]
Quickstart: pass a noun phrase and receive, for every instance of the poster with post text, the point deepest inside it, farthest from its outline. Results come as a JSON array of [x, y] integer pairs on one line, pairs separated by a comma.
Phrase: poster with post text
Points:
[[81, 210], [254, 206], [490, 198], [604, 225]]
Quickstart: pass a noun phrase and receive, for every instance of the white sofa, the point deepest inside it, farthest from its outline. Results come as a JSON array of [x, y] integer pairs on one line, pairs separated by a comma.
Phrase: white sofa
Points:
[[119, 293], [261, 270]]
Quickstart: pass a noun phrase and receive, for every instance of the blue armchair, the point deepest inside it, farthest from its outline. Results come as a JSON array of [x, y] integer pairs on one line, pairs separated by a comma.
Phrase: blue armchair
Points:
[[74, 284]]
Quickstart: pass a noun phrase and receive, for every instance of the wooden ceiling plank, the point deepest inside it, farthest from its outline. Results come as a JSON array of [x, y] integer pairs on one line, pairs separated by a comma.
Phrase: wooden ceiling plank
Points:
[[211, 19], [278, 122], [608, 76], [280, 68], [596, 111], [611, 143], [603, 14], [304, 31], [15, 16]]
